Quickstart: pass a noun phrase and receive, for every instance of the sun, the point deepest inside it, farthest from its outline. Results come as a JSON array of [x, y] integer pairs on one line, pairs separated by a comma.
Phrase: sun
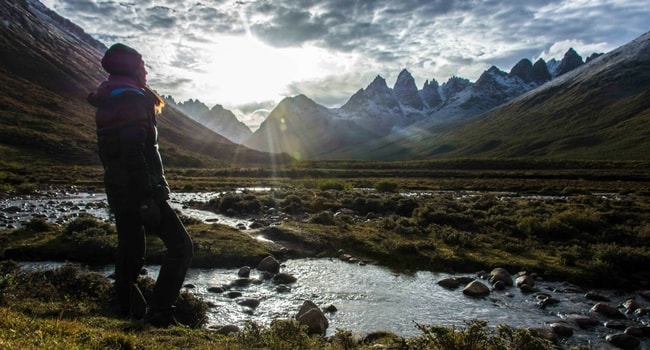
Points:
[[243, 69]]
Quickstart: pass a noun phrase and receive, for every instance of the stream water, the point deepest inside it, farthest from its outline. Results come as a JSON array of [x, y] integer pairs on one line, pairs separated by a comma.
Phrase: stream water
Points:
[[373, 298], [367, 297]]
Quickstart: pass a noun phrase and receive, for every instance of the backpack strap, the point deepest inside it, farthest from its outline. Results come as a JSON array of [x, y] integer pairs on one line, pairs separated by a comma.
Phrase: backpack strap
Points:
[[120, 91]]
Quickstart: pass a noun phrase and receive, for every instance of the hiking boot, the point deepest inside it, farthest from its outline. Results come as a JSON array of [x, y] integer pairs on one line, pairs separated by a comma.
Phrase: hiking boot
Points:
[[161, 318]]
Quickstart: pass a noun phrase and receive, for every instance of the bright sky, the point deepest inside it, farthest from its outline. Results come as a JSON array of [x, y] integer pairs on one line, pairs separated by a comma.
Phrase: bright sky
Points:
[[249, 54]]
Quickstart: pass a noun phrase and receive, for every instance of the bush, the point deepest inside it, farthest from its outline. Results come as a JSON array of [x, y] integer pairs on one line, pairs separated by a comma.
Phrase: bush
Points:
[[88, 224], [38, 225], [386, 186], [326, 185], [26, 188], [323, 218], [476, 336]]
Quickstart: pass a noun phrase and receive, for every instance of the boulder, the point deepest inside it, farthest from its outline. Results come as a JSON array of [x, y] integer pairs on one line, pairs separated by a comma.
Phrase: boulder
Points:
[[499, 285], [464, 280], [615, 324], [311, 316], [584, 322], [234, 294], [608, 311], [284, 278], [562, 330], [241, 282], [227, 329], [525, 280], [244, 271], [476, 289], [596, 297], [500, 274], [449, 283], [623, 341], [249, 302], [634, 331], [269, 264], [283, 288], [631, 305], [216, 289]]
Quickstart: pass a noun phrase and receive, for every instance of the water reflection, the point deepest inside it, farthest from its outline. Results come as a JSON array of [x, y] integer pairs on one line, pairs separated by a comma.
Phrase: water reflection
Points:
[[372, 298]]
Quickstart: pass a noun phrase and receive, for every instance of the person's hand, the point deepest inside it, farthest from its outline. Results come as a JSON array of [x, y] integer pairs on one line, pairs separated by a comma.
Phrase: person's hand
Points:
[[150, 213]]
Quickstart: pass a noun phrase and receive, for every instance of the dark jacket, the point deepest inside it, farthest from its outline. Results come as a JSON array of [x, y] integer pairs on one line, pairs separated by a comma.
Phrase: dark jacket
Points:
[[127, 137]]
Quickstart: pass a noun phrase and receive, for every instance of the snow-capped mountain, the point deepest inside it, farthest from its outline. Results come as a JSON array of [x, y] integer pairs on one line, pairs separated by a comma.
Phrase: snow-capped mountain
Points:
[[379, 110]]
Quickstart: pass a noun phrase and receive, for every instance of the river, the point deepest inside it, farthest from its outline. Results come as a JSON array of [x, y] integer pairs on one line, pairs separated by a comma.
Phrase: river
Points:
[[367, 297]]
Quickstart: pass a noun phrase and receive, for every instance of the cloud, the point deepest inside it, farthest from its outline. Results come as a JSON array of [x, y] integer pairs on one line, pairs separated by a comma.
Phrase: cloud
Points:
[[328, 49]]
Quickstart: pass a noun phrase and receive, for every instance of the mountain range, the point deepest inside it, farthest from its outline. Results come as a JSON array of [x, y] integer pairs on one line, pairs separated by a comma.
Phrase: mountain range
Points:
[[598, 108], [568, 109]]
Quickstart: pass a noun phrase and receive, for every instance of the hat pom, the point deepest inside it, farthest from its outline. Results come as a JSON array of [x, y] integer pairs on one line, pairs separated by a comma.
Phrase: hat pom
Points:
[[121, 59]]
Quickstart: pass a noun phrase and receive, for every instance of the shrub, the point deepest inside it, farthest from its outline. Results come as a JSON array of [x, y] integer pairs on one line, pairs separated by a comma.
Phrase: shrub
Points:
[[26, 188], [323, 218], [476, 336], [331, 185], [88, 223], [233, 204], [406, 206], [38, 225], [69, 281], [386, 186]]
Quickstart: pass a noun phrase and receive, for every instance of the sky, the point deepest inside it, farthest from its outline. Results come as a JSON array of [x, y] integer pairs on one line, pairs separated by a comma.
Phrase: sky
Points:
[[247, 55]]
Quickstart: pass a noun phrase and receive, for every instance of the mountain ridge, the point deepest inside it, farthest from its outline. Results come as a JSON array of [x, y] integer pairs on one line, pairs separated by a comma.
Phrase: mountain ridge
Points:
[[380, 111], [48, 65], [599, 110]]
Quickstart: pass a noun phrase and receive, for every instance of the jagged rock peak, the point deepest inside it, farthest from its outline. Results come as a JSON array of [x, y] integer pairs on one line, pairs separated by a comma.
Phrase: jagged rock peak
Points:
[[378, 83], [454, 85], [218, 108], [193, 107], [541, 71], [406, 91], [593, 56], [431, 93], [570, 61], [523, 70], [488, 78]]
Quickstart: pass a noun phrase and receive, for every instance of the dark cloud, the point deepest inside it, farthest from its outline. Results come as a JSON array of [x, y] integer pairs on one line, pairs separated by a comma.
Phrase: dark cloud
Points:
[[361, 39], [160, 17], [290, 27]]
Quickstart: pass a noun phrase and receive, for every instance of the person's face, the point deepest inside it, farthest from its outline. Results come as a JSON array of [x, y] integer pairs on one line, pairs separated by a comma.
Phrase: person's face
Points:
[[142, 74]]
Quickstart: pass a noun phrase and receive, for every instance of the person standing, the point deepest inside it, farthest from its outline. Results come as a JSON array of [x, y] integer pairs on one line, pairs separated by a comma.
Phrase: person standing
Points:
[[135, 185]]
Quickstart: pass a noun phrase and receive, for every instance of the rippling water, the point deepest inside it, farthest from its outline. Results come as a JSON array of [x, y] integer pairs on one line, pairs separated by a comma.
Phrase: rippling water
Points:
[[372, 298], [367, 297]]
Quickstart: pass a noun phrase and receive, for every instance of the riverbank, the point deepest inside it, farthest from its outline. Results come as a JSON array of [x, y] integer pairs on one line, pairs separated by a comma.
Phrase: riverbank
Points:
[[595, 240], [592, 235]]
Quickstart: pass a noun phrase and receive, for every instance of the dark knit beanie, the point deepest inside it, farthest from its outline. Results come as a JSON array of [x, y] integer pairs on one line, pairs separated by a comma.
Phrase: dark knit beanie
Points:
[[121, 59]]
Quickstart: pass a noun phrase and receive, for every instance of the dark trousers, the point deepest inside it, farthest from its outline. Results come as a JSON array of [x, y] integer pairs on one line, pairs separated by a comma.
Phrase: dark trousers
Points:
[[131, 249]]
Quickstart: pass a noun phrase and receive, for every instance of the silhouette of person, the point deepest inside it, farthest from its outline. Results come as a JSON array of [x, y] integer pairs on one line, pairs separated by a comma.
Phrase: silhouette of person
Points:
[[136, 187]]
